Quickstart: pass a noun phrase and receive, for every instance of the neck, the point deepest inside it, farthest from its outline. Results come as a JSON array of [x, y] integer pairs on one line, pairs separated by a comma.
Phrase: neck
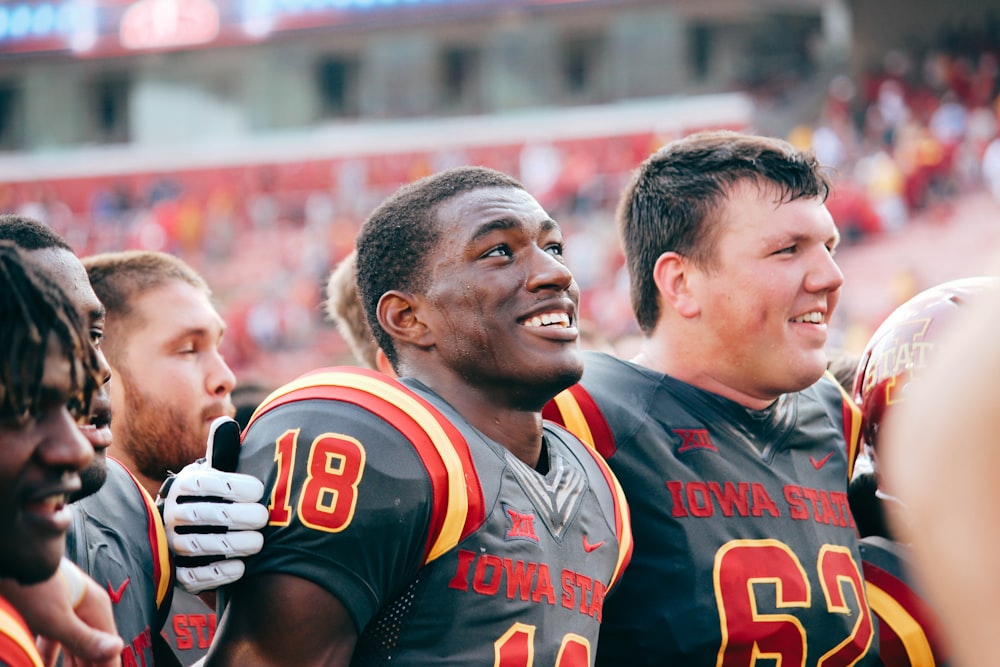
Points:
[[517, 429], [151, 485], [689, 368]]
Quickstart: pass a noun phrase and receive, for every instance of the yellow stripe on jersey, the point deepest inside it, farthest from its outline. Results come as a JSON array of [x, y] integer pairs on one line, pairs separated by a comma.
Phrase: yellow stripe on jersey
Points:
[[912, 636], [161, 551], [625, 538], [854, 444], [458, 500], [573, 418]]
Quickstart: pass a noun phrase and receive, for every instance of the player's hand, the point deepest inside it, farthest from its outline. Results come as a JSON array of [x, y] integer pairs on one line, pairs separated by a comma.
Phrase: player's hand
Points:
[[70, 611], [213, 515]]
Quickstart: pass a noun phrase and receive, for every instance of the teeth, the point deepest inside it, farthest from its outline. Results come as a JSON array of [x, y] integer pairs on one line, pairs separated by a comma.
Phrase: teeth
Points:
[[811, 318], [548, 319]]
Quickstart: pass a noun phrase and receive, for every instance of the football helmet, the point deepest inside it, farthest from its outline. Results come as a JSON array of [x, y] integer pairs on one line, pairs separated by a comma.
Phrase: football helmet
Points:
[[904, 344]]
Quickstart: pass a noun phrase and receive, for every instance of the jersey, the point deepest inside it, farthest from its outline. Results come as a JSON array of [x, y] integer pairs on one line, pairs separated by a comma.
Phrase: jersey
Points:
[[444, 547], [17, 644], [745, 547], [190, 626], [907, 626], [117, 537]]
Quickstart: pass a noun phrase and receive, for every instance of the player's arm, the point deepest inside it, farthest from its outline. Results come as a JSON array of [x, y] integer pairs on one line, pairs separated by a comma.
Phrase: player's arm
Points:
[[279, 620]]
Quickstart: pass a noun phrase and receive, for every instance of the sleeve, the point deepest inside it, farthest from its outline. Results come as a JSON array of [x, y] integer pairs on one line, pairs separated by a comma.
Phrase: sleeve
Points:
[[17, 645], [349, 498]]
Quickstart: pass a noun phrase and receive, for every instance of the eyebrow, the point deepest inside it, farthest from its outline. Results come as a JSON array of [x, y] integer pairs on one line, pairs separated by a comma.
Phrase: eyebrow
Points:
[[509, 223], [197, 332]]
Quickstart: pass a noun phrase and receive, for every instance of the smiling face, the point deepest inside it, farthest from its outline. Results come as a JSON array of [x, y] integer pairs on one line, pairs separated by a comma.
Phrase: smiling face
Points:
[[68, 271], [40, 461], [765, 301], [499, 299], [170, 380]]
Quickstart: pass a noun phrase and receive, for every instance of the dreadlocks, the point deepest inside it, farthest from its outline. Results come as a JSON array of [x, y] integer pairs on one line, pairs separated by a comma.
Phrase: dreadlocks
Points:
[[33, 308]]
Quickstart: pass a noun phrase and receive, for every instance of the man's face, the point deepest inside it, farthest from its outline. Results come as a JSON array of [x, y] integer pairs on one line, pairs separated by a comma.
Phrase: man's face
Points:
[[68, 271], [40, 462], [766, 302], [171, 381], [502, 301]]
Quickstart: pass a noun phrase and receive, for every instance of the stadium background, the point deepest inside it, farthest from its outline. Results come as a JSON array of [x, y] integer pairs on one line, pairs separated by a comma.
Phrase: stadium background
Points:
[[251, 137]]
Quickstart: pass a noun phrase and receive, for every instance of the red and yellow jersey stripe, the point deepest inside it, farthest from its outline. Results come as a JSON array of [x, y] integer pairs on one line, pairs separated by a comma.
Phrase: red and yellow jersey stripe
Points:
[[906, 636], [17, 645], [852, 426], [458, 504], [576, 411]]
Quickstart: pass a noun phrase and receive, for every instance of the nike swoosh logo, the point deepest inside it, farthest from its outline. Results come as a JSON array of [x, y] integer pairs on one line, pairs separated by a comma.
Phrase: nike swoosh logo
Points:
[[116, 594], [588, 547], [822, 462]]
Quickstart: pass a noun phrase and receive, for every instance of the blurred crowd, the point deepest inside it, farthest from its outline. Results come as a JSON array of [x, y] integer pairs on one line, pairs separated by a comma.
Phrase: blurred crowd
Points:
[[906, 139]]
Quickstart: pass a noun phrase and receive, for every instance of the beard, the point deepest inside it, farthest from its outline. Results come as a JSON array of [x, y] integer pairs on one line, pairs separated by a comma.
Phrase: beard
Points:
[[161, 438], [92, 477]]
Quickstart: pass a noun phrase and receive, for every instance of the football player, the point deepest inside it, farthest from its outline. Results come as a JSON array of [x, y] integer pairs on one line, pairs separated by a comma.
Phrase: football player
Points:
[[117, 535], [170, 382], [47, 372], [435, 519], [732, 443]]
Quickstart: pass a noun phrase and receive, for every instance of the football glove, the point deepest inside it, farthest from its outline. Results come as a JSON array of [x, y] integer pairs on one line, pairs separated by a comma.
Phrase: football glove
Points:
[[212, 514]]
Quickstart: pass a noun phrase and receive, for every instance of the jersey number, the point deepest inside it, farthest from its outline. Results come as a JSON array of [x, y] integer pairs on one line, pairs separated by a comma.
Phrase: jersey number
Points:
[[329, 494], [516, 648], [748, 635]]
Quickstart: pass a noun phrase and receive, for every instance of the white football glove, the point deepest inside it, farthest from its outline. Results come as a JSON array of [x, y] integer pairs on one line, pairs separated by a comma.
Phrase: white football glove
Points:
[[212, 515]]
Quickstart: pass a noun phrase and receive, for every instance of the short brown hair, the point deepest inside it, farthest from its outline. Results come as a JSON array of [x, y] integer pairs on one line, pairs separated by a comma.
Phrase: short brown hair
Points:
[[668, 205], [119, 277]]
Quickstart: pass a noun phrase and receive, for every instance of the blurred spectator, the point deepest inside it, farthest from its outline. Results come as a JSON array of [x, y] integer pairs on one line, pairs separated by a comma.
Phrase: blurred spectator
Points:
[[991, 168]]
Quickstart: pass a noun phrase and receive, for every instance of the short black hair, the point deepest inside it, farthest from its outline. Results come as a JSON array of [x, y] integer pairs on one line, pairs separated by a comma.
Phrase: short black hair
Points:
[[30, 234]]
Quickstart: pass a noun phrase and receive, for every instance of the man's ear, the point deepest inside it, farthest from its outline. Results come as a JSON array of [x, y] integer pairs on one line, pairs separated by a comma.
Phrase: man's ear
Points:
[[398, 314], [673, 275]]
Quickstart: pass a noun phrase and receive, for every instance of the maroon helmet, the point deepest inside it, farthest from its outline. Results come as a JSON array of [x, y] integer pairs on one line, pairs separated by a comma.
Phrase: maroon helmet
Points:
[[904, 344]]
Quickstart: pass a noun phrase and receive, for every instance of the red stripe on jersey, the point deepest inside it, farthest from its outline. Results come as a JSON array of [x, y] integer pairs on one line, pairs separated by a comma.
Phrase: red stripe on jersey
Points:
[[162, 567], [852, 425], [905, 615], [576, 410], [17, 645], [381, 397]]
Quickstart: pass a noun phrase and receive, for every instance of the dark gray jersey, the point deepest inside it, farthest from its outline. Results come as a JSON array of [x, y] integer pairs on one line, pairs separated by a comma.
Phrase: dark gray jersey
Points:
[[117, 537], [446, 548], [744, 542], [190, 627]]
